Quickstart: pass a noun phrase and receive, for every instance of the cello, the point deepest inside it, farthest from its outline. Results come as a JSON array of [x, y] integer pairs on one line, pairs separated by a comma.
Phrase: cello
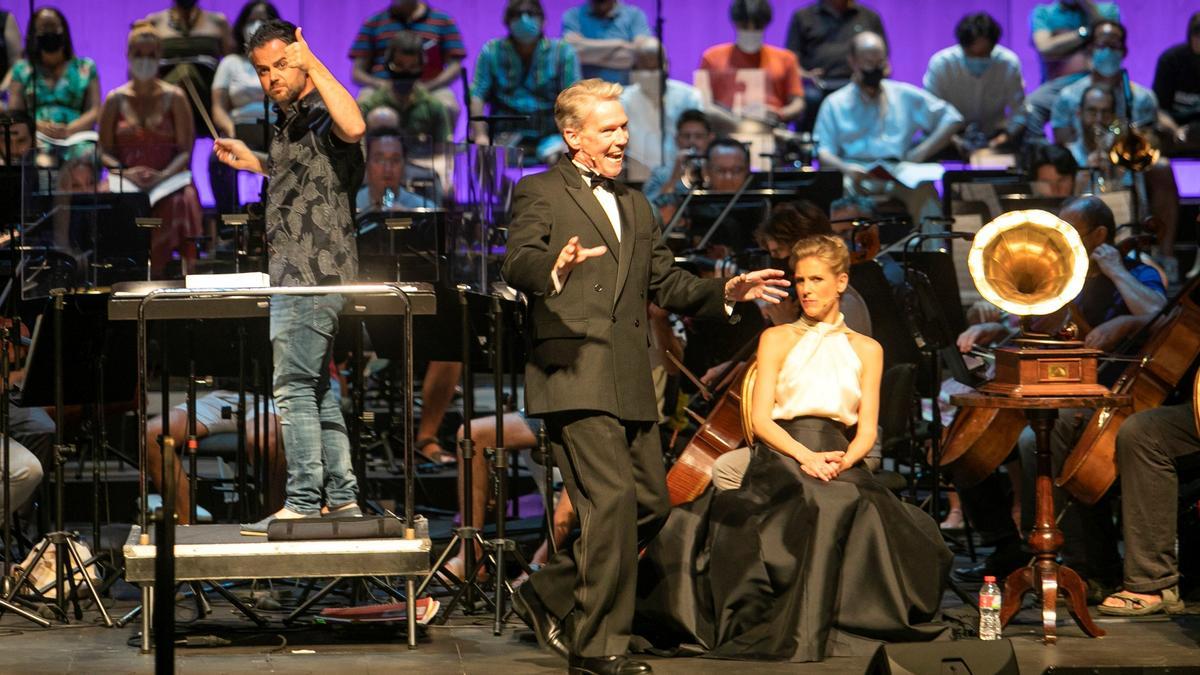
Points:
[[1169, 352], [719, 432]]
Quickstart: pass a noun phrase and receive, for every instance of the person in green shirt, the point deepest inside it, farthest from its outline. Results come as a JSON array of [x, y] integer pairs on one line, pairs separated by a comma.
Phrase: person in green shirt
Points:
[[422, 117]]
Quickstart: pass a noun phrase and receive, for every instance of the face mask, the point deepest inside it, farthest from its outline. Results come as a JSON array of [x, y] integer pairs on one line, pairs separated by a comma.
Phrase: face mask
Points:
[[873, 77], [250, 29], [50, 42], [402, 83], [143, 69], [1107, 61], [749, 41], [977, 65], [185, 4], [525, 28]]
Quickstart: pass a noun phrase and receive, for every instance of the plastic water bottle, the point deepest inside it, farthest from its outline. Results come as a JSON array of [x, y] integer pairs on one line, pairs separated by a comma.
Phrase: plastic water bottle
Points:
[[989, 610]]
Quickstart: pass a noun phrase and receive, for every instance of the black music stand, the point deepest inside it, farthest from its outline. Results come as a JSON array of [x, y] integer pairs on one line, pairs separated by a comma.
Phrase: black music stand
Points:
[[819, 187], [403, 245]]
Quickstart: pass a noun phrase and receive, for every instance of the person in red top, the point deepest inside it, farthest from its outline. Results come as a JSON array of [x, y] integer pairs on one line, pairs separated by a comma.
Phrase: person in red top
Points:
[[783, 93]]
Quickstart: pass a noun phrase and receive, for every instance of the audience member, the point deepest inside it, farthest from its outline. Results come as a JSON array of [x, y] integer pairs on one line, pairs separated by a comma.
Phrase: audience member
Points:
[[146, 132], [875, 119], [650, 143], [980, 78], [607, 35], [10, 45], [1062, 30], [444, 50], [1053, 170], [521, 75], [423, 118], [782, 92], [819, 35], [1106, 54], [385, 189], [668, 183], [1177, 86], [185, 27], [726, 165], [65, 87], [193, 41], [238, 104], [19, 143]]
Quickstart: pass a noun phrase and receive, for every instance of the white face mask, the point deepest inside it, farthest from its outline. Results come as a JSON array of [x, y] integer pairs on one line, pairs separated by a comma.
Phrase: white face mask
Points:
[[250, 29], [143, 68], [749, 41]]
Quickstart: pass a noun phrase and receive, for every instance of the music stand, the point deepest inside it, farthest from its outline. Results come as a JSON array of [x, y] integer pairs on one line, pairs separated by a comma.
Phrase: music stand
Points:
[[403, 245], [819, 187]]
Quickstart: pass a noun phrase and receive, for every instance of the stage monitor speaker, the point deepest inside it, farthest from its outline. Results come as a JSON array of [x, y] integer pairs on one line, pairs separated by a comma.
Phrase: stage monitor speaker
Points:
[[962, 657]]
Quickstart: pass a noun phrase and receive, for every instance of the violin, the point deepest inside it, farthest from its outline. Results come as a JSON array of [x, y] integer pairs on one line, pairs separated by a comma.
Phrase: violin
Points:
[[864, 243]]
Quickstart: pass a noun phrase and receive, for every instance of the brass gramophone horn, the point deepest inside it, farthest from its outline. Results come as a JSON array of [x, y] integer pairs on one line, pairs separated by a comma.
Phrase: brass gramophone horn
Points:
[[1028, 262]]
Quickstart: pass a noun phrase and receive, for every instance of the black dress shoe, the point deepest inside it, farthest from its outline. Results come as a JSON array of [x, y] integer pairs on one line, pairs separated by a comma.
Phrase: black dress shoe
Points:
[[607, 665], [545, 625]]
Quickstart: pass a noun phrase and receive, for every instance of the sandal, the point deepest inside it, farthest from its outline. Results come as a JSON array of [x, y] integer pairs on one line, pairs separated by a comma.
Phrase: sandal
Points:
[[441, 457], [1132, 605]]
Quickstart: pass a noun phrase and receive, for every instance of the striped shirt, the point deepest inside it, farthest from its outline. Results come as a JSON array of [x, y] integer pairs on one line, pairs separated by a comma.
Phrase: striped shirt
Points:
[[443, 42], [503, 82]]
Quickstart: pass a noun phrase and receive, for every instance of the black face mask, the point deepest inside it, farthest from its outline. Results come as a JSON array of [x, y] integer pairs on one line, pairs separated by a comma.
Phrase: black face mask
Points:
[[50, 42], [872, 77], [403, 83], [185, 4]]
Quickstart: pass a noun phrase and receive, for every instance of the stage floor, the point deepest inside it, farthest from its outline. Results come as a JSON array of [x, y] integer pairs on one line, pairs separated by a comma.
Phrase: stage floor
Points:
[[468, 646]]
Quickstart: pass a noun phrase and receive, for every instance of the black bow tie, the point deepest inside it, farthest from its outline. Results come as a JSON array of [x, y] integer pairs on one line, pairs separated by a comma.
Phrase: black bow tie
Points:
[[596, 180]]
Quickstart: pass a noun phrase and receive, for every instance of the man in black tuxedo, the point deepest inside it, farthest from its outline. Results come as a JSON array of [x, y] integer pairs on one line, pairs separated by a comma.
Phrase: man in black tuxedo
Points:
[[588, 374]]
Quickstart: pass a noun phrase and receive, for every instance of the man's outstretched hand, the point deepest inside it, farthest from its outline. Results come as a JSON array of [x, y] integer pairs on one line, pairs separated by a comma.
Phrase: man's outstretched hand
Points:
[[572, 254], [764, 285]]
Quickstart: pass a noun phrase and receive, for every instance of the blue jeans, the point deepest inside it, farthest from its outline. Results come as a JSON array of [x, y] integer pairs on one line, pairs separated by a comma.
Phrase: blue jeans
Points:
[[315, 440]]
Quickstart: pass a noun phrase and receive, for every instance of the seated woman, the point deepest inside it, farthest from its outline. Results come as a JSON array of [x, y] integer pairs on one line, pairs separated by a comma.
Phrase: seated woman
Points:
[[797, 552], [64, 87], [146, 131]]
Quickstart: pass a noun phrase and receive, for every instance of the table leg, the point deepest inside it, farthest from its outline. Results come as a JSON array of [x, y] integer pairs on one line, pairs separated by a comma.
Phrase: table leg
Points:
[[1045, 575]]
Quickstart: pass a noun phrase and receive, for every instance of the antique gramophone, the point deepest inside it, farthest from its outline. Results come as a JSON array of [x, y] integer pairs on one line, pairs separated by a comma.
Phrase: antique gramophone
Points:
[[1031, 263]]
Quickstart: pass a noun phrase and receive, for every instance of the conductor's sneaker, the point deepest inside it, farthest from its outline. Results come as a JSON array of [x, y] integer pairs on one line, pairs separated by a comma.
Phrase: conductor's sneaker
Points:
[[349, 510], [259, 529]]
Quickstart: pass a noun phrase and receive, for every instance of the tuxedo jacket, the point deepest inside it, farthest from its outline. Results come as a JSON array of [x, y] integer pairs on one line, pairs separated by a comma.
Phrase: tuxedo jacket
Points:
[[589, 342]]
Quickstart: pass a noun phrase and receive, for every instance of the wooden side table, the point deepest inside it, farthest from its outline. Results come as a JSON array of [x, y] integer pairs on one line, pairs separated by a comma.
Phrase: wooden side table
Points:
[[1044, 572]]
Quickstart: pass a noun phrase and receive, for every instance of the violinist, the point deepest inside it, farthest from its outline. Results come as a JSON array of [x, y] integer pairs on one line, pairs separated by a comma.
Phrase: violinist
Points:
[[788, 224], [1117, 299]]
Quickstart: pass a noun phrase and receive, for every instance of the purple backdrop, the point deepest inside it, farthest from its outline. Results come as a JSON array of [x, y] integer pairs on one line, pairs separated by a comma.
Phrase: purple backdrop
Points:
[[916, 28]]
